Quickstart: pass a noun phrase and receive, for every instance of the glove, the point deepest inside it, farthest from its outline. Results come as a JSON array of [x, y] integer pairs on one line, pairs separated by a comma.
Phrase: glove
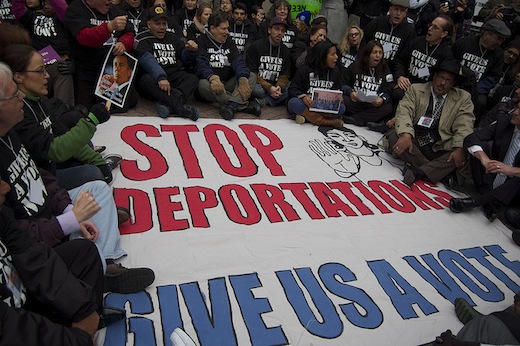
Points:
[[243, 88], [66, 66], [216, 85], [82, 109], [98, 114], [107, 173]]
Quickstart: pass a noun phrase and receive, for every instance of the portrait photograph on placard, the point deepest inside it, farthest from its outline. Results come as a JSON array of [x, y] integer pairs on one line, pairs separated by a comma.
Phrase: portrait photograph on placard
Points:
[[116, 77]]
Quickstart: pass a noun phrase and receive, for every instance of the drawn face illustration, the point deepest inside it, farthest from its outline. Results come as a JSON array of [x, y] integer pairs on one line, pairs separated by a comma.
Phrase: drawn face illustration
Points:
[[346, 138]]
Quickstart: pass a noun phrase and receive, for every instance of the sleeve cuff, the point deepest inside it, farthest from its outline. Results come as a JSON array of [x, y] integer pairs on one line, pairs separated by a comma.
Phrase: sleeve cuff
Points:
[[474, 148], [68, 221]]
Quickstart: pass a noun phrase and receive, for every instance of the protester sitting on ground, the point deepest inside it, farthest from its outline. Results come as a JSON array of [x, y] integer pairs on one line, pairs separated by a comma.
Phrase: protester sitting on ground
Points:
[[281, 8], [200, 22], [367, 85], [173, 26], [497, 328], [43, 19], [495, 169], [224, 76], [509, 71], [49, 295], [164, 80], [317, 33], [257, 16], [62, 151], [424, 53], [241, 30], [135, 10], [270, 60], [95, 27], [184, 16], [392, 30], [303, 24], [320, 71], [506, 105], [431, 123], [50, 213], [350, 45], [483, 55]]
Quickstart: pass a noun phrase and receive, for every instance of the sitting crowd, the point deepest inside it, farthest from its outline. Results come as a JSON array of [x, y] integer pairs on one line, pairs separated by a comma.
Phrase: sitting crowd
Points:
[[446, 99]]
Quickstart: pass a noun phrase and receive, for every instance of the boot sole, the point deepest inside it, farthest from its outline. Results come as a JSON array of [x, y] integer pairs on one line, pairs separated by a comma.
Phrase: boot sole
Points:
[[130, 281]]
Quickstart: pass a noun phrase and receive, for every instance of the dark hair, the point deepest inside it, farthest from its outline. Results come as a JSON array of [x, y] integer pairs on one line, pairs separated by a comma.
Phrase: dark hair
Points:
[[361, 65], [278, 3], [13, 34], [240, 6], [217, 18], [255, 8], [314, 29], [17, 56], [317, 57], [449, 24]]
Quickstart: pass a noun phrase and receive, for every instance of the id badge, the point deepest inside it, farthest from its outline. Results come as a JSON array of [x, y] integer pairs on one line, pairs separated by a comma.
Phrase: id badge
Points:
[[36, 191], [15, 286], [388, 47], [425, 121], [423, 72]]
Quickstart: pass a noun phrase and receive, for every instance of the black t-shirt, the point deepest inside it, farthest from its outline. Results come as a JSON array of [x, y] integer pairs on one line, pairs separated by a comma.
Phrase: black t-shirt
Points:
[[45, 31], [167, 51], [268, 61], [219, 55], [482, 61]]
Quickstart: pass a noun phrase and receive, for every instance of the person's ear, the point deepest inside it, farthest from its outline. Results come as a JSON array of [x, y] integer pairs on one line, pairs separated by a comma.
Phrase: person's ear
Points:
[[18, 77], [444, 34]]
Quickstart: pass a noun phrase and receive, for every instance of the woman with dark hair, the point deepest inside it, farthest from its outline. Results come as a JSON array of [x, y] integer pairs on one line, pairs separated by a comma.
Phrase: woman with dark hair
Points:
[[200, 22], [317, 33], [367, 86], [53, 146], [320, 71]]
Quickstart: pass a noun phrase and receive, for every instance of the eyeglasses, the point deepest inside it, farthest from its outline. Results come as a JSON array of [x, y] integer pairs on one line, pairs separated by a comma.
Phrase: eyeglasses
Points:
[[353, 34], [435, 27], [41, 71], [16, 94]]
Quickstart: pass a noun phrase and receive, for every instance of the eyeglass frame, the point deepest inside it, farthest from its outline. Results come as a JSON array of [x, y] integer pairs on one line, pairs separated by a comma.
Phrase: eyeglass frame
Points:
[[43, 71], [17, 94]]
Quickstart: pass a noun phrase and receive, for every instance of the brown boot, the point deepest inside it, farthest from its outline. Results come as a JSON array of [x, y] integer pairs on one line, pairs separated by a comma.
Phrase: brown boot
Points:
[[320, 120]]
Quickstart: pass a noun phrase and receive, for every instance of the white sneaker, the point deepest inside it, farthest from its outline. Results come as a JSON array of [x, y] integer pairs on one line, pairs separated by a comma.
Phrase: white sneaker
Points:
[[180, 338]]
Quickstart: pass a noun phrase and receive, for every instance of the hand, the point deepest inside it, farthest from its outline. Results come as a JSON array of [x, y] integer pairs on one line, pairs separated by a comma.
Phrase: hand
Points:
[[391, 123], [106, 82], [378, 102], [354, 97], [66, 66], [118, 23], [164, 85], [98, 114], [444, 9], [458, 156], [119, 48], [494, 166], [403, 83], [403, 144], [308, 101], [275, 91], [85, 207], [216, 85], [461, 5], [89, 324], [89, 230], [243, 89], [191, 46], [495, 12]]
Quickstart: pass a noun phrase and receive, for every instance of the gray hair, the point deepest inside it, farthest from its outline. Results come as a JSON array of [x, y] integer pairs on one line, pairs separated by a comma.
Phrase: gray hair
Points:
[[5, 76]]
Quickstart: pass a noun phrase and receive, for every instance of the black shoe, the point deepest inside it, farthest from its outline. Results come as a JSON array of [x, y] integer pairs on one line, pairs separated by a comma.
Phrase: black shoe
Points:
[[464, 311], [512, 217], [491, 211], [460, 205], [253, 107], [190, 112], [123, 214], [349, 120], [411, 174], [99, 148], [113, 160], [227, 112], [109, 316], [378, 127], [119, 279], [516, 237]]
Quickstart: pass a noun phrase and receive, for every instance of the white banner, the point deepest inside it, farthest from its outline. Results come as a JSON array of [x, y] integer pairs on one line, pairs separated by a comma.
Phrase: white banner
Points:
[[271, 233]]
